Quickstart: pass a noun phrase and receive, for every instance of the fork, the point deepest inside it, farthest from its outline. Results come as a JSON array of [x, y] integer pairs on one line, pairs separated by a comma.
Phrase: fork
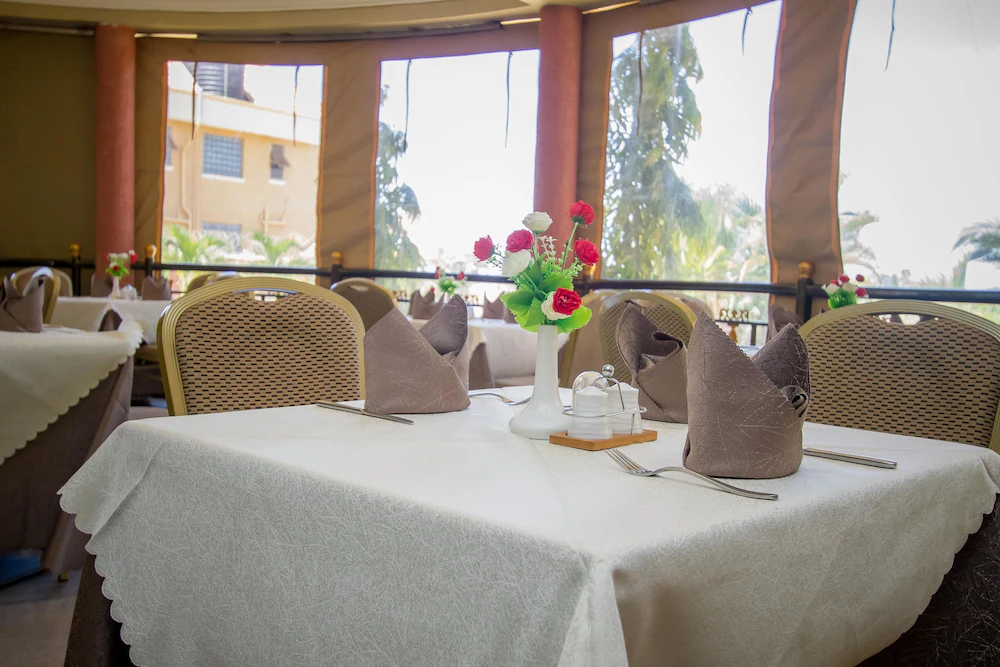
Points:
[[503, 398], [633, 468]]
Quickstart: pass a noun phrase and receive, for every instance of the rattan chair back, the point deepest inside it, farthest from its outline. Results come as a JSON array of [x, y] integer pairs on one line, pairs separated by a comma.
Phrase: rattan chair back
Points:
[[22, 276], [248, 343], [370, 299], [583, 351], [669, 315], [938, 378], [200, 281]]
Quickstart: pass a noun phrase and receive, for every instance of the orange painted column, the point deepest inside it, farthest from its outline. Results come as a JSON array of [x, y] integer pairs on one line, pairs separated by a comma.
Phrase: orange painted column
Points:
[[115, 64], [559, 41]]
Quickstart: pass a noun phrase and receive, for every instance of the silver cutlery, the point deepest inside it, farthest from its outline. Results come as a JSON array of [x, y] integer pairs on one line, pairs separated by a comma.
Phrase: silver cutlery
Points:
[[503, 398], [358, 411], [850, 458], [633, 468]]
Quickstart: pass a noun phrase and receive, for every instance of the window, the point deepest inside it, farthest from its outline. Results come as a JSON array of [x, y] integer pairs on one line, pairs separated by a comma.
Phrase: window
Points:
[[452, 174], [278, 162], [919, 203], [253, 123], [687, 154], [223, 156]]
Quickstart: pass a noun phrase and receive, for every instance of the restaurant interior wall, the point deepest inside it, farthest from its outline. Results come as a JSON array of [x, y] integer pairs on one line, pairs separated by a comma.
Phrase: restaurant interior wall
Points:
[[47, 144]]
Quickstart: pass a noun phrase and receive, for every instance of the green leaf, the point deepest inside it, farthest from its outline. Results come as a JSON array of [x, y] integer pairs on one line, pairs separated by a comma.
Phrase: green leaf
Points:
[[532, 317], [518, 301], [579, 318], [556, 280]]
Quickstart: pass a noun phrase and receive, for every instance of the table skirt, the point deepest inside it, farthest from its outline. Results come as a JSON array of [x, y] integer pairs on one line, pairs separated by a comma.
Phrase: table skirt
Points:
[[29, 479], [957, 628]]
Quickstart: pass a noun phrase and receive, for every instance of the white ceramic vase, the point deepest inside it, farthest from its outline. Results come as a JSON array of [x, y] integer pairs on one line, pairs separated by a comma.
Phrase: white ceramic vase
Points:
[[543, 415], [116, 292]]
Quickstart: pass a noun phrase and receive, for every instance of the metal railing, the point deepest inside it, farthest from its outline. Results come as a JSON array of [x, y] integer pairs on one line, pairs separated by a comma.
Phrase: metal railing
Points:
[[804, 291]]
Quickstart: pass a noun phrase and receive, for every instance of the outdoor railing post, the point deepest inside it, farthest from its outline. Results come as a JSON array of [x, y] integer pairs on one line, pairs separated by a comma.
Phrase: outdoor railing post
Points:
[[803, 300], [582, 285], [150, 258], [337, 267], [74, 268]]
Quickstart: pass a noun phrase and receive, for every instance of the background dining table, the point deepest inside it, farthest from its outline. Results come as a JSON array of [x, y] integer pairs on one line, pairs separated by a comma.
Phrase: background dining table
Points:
[[87, 313], [295, 534]]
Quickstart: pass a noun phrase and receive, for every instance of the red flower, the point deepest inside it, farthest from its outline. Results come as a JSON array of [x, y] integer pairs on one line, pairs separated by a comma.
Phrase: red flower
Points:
[[132, 256], [844, 279], [460, 276], [862, 292], [582, 213], [438, 272], [483, 249], [566, 301], [586, 251], [522, 239], [860, 278]]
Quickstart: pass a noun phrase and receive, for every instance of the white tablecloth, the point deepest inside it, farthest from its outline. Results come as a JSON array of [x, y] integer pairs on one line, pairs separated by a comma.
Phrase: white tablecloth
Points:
[[86, 313], [43, 375], [312, 537]]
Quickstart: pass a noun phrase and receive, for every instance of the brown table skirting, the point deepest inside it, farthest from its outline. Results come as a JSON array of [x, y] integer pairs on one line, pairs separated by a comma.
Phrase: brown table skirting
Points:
[[960, 626], [31, 516]]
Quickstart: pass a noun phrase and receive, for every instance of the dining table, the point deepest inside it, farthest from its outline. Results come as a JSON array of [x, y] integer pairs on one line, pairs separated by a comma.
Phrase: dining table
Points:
[[308, 536], [88, 313]]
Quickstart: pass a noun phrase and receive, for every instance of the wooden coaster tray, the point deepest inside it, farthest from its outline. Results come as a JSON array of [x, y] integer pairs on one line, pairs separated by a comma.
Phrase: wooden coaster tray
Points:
[[597, 445]]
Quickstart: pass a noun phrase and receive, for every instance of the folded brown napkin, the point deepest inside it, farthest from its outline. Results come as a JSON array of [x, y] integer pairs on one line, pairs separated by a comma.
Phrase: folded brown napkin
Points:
[[413, 371], [778, 317], [745, 415], [493, 310], [22, 311], [100, 285], [658, 363], [155, 289], [423, 307]]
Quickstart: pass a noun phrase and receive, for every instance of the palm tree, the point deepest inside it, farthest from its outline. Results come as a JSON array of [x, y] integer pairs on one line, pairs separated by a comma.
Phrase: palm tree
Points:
[[273, 250], [982, 240], [186, 247], [852, 250]]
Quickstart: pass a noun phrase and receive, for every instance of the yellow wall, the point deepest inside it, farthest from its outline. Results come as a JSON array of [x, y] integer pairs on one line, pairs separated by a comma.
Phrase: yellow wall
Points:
[[244, 202], [47, 146]]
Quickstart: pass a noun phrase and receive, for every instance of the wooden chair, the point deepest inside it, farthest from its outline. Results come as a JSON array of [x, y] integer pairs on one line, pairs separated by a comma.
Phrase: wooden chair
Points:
[[21, 277], [939, 378], [669, 315], [370, 299], [250, 343], [53, 286]]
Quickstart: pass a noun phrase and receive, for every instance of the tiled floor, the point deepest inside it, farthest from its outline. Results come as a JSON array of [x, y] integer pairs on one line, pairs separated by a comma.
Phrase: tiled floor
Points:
[[35, 615]]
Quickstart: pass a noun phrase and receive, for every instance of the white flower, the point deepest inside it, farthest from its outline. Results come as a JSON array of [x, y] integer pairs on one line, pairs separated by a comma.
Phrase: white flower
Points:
[[851, 287], [547, 308], [537, 222], [515, 262], [830, 288]]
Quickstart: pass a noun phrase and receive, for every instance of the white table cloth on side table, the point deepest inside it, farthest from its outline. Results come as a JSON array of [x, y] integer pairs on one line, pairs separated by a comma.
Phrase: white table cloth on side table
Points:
[[247, 538], [86, 313], [45, 374]]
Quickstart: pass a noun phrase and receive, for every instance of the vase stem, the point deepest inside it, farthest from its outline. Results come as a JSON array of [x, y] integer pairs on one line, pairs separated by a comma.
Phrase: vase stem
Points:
[[543, 415]]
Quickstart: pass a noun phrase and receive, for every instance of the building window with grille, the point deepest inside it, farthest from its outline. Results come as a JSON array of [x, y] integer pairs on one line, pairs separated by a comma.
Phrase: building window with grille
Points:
[[278, 163], [223, 156]]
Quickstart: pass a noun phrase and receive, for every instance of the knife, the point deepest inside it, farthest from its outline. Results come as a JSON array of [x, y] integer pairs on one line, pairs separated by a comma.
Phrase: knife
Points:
[[850, 458], [359, 411]]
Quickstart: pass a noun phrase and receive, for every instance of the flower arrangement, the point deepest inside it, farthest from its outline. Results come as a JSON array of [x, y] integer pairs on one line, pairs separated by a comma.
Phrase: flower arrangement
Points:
[[544, 279], [446, 283], [842, 292], [119, 263]]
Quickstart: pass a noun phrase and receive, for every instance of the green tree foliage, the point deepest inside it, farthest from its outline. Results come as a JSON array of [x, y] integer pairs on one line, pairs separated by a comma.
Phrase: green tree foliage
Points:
[[185, 247], [852, 250], [982, 241], [395, 203], [275, 252], [648, 208]]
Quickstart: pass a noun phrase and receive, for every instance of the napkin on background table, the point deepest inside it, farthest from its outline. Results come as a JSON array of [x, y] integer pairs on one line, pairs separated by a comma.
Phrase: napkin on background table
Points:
[[745, 415], [412, 371], [493, 310], [22, 311], [778, 317], [423, 307], [658, 363], [155, 289]]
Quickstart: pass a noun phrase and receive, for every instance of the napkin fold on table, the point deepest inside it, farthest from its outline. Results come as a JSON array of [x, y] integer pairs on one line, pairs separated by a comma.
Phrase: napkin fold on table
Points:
[[411, 371], [100, 285], [745, 415], [658, 363], [423, 307], [493, 310], [155, 289], [22, 311], [778, 317]]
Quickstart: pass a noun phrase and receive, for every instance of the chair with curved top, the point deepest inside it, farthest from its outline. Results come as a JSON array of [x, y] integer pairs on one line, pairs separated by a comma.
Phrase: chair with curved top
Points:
[[248, 343], [669, 315], [582, 351], [22, 276], [370, 299], [52, 285], [938, 378]]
